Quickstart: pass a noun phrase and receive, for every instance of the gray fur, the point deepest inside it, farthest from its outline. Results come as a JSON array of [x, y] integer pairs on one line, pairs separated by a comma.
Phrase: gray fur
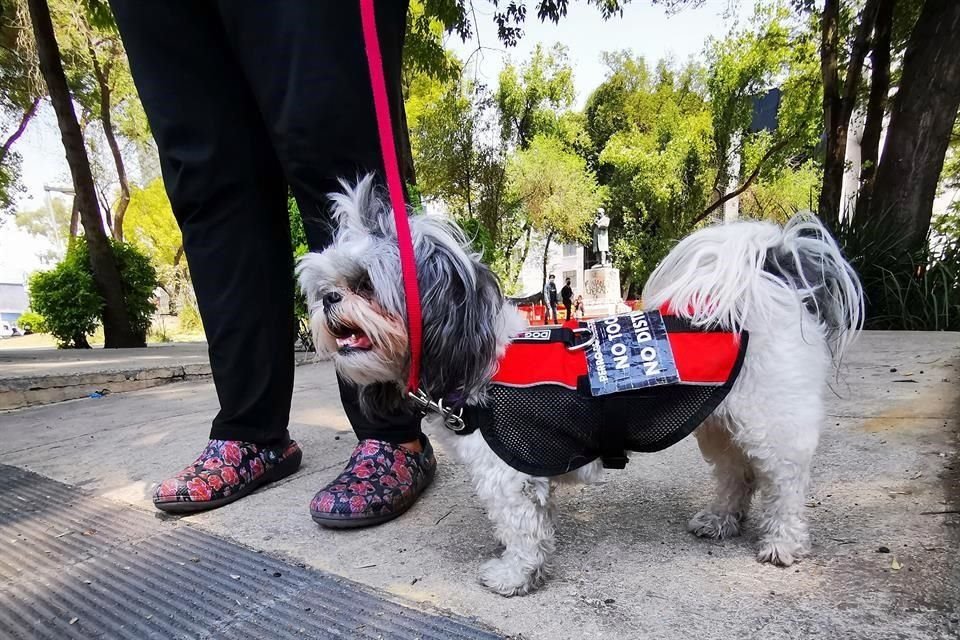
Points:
[[461, 299]]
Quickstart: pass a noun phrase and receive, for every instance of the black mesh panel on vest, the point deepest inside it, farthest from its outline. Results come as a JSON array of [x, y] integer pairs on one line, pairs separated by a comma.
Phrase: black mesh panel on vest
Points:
[[548, 429]]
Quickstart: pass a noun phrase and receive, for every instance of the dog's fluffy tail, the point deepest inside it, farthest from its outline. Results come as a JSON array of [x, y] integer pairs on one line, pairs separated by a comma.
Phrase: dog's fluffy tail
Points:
[[743, 274]]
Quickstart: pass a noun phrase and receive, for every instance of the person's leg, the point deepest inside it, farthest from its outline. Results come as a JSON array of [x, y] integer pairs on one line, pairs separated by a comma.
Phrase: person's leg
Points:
[[229, 197], [306, 63]]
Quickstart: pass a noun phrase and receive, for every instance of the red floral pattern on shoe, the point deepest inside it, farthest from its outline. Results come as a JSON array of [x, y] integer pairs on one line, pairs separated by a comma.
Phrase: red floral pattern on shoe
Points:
[[380, 479], [224, 468]]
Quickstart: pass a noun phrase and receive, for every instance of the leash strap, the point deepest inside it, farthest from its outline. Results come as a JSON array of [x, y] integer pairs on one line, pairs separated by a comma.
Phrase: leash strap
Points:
[[388, 149]]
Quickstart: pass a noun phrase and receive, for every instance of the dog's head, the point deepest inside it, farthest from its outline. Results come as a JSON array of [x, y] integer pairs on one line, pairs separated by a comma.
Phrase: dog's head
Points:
[[355, 293]]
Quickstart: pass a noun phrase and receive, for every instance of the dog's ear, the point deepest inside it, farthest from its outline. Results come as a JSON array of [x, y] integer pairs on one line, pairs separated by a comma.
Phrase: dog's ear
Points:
[[363, 209], [462, 304]]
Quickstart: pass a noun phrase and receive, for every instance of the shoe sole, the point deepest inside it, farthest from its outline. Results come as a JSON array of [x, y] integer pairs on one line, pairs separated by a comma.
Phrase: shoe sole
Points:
[[278, 472], [331, 521]]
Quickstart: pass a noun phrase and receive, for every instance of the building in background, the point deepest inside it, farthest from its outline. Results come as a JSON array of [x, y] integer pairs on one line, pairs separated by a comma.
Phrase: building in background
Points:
[[13, 301]]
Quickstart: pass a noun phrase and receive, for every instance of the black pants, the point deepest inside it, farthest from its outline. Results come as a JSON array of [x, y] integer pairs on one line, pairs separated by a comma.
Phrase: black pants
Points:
[[567, 305], [246, 98]]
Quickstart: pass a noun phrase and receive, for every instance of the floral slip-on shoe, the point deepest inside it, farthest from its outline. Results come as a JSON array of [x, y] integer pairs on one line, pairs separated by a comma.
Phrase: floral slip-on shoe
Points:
[[379, 483], [226, 471]]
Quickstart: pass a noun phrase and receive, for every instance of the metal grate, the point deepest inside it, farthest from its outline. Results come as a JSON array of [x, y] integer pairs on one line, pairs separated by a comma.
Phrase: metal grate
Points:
[[74, 566]]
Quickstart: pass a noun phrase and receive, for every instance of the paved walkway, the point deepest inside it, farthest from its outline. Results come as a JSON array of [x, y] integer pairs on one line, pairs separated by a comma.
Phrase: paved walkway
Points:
[[883, 511], [30, 377]]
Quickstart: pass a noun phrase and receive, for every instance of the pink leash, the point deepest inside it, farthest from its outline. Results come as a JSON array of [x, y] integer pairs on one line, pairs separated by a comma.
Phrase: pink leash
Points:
[[388, 148]]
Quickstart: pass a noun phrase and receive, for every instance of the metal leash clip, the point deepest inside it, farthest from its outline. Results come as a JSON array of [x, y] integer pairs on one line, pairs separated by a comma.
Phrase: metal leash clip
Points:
[[580, 346], [452, 419]]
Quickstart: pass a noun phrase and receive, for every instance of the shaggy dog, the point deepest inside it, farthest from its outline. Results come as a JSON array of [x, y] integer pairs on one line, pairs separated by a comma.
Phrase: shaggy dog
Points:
[[788, 287]]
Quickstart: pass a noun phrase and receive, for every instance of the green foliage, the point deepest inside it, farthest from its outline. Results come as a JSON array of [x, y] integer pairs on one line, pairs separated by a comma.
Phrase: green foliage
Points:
[[662, 137], [530, 99], [68, 300], [20, 89], [298, 241], [423, 50], [461, 161], [559, 195], [139, 280], [652, 146], [32, 322], [151, 227], [785, 191], [189, 317], [915, 292]]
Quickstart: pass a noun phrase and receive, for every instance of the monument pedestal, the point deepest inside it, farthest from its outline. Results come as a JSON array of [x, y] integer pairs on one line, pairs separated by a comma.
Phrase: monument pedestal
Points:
[[601, 292]]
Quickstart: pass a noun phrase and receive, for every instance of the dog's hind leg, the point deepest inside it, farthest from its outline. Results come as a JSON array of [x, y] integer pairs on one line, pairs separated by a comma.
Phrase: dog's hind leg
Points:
[[735, 482], [783, 478]]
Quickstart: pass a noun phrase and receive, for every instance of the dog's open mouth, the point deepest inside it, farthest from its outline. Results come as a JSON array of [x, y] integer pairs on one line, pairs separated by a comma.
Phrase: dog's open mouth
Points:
[[351, 339]]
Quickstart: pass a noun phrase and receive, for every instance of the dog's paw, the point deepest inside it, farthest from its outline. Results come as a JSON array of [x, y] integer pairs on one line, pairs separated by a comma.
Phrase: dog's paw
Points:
[[780, 553], [707, 524], [510, 578]]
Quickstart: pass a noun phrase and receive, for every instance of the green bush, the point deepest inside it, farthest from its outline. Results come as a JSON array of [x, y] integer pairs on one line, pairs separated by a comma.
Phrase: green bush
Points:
[[139, 282], [68, 300], [298, 241], [32, 322], [917, 291], [190, 318]]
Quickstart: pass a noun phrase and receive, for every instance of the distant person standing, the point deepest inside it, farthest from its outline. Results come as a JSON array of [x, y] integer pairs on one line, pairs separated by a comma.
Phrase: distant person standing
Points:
[[550, 299], [566, 294]]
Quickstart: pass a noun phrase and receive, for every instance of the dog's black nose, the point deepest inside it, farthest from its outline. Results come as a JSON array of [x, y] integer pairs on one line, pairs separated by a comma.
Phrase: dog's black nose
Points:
[[331, 299]]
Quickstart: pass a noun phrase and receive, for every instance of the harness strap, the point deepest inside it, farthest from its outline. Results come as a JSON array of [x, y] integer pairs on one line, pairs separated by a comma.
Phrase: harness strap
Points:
[[388, 149]]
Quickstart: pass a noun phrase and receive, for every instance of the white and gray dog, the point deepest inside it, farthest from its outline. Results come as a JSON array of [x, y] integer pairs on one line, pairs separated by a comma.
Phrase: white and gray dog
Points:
[[789, 287]]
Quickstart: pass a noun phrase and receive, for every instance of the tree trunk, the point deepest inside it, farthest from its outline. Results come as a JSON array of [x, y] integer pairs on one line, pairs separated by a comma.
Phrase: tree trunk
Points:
[[839, 98], [74, 218], [921, 123], [24, 121], [876, 107], [106, 275], [103, 81]]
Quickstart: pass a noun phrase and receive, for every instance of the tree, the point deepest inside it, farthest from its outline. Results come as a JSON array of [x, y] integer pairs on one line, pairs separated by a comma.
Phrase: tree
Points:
[[531, 99], [742, 68], [461, 161], [152, 228], [20, 93], [557, 191], [840, 96], [117, 326], [99, 77], [921, 122], [880, 55]]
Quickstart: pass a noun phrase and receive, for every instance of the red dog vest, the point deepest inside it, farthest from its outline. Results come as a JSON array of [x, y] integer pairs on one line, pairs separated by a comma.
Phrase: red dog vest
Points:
[[543, 420]]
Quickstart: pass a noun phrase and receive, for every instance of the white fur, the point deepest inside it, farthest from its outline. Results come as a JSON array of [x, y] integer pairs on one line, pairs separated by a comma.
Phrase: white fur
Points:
[[760, 440]]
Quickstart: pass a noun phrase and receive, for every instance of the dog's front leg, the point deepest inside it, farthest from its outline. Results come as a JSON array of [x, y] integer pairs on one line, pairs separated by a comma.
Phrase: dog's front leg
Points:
[[519, 507]]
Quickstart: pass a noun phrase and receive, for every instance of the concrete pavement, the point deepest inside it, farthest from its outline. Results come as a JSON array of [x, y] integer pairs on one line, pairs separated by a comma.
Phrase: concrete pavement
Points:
[[30, 377], [886, 475]]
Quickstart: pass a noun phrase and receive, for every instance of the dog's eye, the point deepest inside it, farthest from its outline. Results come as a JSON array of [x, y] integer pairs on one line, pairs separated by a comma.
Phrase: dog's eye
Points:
[[364, 286]]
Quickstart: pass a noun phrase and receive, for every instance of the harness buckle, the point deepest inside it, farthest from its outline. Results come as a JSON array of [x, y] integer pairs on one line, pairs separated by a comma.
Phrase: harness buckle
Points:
[[580, 346], [452, 418]]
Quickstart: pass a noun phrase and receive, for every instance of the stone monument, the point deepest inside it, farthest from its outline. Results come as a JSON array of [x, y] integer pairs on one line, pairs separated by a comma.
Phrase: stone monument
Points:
[[601, 283]]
